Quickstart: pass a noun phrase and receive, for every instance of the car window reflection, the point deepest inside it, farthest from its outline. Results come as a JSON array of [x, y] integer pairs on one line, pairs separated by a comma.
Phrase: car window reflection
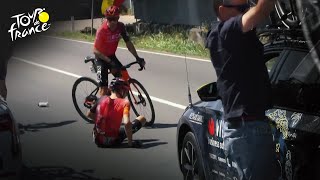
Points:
[[292, 61], [306, 71], [270, 64]]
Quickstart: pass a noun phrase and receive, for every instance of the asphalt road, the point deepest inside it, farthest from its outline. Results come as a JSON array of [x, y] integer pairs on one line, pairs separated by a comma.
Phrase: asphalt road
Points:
[[56, 142]]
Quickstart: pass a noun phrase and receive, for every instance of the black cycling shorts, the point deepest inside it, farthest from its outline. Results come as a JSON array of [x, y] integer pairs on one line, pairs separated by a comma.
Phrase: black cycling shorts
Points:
[[136, 125], [102, 69]]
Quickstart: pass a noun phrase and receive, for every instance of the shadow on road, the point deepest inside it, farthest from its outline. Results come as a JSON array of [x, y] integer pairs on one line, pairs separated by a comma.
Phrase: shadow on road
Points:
[[37, 126], [146, 143], [160, 125], [56, 172]]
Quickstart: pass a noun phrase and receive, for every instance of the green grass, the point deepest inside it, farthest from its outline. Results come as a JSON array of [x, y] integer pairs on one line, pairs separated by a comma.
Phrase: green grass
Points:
[[174, 43]]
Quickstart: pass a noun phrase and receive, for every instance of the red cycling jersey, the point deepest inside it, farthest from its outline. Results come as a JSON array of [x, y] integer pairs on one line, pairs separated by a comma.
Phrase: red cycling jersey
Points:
[[107, 41], [109, 115]]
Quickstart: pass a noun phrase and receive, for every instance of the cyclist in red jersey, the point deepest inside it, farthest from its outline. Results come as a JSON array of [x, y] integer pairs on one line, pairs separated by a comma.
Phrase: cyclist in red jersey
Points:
[[108, 113], [106, 44]]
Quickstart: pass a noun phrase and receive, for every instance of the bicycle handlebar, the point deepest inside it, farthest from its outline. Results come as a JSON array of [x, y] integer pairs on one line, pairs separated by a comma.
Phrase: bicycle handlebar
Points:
[[88, 59], [132, 63]]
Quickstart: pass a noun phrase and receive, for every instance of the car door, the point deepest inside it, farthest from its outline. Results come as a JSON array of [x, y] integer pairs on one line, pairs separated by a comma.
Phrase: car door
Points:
[[219, 165], [213, 148], [295, 80]]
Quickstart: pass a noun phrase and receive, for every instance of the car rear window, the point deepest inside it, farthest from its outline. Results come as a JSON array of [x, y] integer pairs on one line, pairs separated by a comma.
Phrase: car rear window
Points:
[[293, 59], [306, 71], [297, 83]]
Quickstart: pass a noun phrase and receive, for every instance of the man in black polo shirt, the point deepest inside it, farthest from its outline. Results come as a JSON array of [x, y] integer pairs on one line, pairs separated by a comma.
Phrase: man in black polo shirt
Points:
[[244, 87]]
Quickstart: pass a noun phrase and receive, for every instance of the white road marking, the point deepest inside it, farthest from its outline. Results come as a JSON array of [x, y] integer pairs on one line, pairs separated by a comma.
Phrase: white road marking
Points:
[[150, 52], [78, 76], [47, 67]]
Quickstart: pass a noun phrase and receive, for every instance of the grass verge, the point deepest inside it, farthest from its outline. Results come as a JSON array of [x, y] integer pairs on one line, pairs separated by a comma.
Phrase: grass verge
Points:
[[174, 43]]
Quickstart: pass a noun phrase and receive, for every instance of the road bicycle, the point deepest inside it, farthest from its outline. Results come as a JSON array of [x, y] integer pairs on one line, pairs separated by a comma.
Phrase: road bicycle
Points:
[[298, 15], [85, 88], [310, 19], [285, 13], [305, 15]]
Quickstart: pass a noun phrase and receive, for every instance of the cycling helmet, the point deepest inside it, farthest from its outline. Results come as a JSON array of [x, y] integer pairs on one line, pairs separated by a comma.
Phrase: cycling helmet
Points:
[[112, 11], [117, 84]]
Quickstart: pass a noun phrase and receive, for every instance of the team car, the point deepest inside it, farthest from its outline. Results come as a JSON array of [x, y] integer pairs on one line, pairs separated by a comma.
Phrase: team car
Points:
[[10, 147], [294, 118]]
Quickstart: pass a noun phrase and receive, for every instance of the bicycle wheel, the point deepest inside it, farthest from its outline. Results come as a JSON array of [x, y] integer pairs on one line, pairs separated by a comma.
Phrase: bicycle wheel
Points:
[[309, 11], [83, 88], [140, 101], [287, 13]]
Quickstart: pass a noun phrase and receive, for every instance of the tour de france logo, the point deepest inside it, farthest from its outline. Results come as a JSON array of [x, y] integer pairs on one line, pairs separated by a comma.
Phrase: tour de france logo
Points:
[[27, 24]]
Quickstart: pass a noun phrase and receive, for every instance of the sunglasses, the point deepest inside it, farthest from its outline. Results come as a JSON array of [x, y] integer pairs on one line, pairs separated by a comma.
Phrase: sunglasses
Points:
[[112, 19], [241, 8]]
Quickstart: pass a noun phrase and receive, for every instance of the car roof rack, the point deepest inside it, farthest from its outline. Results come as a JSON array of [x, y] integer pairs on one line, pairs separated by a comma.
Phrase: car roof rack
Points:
[[273, 35]]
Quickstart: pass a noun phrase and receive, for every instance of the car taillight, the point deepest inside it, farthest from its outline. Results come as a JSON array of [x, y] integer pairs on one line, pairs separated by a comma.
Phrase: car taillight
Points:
[[5, 123]]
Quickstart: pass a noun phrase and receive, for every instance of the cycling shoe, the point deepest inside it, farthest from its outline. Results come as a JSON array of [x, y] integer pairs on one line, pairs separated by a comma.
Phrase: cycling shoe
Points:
[[90, 101]]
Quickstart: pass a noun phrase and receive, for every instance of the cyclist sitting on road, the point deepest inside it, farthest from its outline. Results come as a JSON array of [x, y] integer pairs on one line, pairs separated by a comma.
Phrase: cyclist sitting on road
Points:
[[108, 113], [105, 46]]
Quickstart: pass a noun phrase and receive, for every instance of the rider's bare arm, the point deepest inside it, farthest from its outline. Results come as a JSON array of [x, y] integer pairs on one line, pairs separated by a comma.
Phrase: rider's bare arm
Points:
[[132, 49], [98, 54], [129, 44], [257, 14], [128, 127]]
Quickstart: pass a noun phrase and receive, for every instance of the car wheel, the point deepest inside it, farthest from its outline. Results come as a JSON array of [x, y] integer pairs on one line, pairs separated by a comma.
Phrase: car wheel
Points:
[[190, 158]]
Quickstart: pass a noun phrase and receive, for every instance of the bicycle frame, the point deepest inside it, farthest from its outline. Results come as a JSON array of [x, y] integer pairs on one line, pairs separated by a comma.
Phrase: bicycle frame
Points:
[[125, 76]]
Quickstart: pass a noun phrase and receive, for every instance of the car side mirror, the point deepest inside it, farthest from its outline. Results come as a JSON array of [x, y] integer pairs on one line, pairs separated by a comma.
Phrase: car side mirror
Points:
[[208, 92]]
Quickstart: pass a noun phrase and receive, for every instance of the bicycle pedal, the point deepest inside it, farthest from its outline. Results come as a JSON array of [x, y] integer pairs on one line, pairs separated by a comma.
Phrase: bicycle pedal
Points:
[[87, 106]]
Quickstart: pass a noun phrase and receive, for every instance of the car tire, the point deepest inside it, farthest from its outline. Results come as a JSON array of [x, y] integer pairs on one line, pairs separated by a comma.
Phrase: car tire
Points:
[[191, 163]]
